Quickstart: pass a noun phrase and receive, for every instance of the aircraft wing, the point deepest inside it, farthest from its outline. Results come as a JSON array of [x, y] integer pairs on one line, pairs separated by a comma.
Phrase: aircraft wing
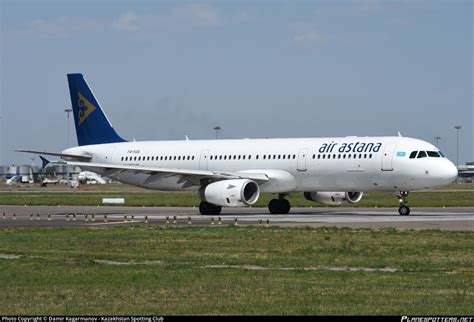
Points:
[[156, 173], [57, 154]]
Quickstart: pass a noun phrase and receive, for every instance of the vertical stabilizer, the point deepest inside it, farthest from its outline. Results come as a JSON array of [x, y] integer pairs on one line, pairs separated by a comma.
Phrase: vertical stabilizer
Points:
[[92, 125]]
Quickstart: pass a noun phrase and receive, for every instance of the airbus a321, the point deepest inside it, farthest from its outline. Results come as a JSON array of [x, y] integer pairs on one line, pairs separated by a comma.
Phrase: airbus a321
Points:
[[233, 173]]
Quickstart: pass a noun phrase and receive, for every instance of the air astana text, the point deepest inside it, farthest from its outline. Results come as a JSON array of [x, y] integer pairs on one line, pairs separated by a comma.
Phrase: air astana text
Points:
[[350, 147]]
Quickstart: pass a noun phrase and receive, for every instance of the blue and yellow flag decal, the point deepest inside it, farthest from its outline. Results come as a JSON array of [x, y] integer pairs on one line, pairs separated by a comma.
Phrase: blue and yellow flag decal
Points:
[[85, 108]]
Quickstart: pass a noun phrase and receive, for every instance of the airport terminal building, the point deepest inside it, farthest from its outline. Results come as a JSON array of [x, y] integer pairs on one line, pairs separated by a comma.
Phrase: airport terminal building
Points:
[[466, 172]]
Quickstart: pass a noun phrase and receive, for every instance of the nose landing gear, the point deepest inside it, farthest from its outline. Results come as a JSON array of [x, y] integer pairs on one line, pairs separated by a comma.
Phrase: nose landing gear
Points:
[[404, 210]]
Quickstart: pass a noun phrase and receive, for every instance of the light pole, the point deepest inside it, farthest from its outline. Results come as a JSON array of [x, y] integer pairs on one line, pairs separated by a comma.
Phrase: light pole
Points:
[[68, 110], [217, 129], [437, 138], [457, 127]]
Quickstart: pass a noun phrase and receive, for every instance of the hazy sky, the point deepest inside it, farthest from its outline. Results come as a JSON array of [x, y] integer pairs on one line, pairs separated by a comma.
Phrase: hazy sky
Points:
[[166, 69]]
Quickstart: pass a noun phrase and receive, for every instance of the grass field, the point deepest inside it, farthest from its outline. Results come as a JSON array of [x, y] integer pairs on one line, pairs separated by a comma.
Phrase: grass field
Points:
[[450, 196], [229, 270]]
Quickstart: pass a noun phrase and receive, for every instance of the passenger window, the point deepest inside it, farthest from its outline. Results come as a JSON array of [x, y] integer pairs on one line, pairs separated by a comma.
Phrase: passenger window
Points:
[[370, 156], [365, 156], [422, 154], [319, 156], [338, 156], [279, 156], [256, 157], [192, 158], [294, 156]]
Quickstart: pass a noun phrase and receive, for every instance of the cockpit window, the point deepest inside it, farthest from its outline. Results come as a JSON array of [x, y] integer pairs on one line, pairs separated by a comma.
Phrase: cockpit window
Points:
[[433, 154], [422, 154], [441, 154], [413, 154]]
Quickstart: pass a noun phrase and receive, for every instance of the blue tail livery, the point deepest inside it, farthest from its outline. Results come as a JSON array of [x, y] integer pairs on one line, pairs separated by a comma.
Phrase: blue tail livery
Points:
[[92, 125]]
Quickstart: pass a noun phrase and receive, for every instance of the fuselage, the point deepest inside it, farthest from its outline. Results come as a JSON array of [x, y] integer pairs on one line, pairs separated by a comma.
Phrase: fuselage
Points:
[[293, 165]]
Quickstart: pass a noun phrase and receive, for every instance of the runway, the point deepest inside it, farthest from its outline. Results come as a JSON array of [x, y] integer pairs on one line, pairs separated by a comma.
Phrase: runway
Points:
[[73, 216]]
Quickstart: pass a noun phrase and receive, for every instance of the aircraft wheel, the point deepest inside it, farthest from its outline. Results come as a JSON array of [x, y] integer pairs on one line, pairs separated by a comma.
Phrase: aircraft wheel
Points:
[[274, 206], [279, 206], [404, 210], [217, 210], [206, 208], [285, 206]]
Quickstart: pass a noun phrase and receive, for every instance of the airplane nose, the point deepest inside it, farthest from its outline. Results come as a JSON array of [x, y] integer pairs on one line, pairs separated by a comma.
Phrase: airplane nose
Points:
[[450, 172]]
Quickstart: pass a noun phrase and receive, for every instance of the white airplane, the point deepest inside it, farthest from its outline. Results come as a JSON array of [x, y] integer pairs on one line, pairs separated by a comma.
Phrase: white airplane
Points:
[[233, 173], [90, 177]]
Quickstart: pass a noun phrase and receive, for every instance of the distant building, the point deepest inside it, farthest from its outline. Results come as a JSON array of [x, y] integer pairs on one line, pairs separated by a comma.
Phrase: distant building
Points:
[[466, 172], [58, 171]]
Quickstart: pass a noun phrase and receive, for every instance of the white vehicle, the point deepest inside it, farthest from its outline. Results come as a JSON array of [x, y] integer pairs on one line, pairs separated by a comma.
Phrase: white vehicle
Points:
[[233, 173], [16, 179]]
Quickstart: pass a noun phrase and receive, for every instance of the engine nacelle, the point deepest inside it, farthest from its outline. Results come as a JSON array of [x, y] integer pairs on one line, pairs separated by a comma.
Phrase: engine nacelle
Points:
[[231, 193], [334, 198]]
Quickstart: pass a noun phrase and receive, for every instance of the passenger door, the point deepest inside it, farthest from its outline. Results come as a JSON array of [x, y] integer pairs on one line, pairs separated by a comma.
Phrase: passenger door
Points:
[[301, 166], [203, 160], [387, 157]]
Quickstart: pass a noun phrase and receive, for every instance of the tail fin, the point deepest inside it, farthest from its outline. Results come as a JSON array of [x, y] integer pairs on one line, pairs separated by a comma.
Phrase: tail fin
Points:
[[92, 125]]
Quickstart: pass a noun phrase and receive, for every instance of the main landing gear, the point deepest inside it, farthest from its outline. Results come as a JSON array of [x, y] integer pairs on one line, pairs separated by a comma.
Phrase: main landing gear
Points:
[[404, 210], [279, 206], [206, 208]]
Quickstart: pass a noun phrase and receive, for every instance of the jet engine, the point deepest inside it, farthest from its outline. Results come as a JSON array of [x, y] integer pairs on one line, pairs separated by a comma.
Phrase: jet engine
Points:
[[334, 198], [231, 193]]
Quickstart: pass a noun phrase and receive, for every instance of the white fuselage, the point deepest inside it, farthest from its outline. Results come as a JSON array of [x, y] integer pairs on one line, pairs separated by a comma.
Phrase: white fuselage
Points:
[[293, 165]]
